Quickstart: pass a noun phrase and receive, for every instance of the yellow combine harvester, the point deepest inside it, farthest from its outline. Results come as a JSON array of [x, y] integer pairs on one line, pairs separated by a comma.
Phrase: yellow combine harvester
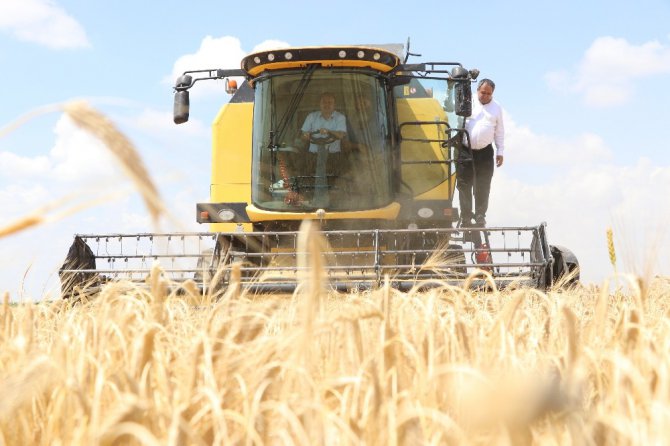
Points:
[[378, 174]]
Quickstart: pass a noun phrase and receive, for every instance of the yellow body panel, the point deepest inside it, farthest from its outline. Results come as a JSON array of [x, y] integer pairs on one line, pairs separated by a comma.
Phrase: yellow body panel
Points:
[[426, 181], [389, 212], [231, 160], [444, 189], [231, 144], [231, 193]]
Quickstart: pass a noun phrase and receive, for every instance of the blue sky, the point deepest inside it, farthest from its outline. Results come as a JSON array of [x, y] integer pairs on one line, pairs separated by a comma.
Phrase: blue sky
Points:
[[583, 85]]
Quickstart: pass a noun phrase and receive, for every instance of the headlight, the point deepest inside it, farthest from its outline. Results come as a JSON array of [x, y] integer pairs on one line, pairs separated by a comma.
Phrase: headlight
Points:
[[425, 212], [226, 214]]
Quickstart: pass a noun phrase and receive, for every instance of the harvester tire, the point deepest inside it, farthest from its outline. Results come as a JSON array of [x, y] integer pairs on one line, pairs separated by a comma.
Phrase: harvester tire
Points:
[[565, 269], [79, 257]]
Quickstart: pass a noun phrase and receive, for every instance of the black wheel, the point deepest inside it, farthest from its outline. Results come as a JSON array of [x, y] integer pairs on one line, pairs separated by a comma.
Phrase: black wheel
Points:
[[565, 270]]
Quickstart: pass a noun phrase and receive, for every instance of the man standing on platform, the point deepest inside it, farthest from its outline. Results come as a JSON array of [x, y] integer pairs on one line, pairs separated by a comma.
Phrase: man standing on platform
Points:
[[485, 127]]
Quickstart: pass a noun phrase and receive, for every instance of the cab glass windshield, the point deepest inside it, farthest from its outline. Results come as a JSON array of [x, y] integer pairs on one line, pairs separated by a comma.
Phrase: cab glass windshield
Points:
[[321, 140]]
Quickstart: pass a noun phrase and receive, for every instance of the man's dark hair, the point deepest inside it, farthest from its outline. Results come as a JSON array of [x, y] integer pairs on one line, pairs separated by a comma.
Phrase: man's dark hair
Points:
[[488, 82]]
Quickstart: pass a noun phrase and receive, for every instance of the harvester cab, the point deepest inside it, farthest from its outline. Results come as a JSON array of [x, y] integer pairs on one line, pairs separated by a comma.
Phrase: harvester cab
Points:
[[363, 142], [385, 140]]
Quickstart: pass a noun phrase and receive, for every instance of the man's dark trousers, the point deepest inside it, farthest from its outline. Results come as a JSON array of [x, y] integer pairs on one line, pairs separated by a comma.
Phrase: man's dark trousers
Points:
[[479, 180]]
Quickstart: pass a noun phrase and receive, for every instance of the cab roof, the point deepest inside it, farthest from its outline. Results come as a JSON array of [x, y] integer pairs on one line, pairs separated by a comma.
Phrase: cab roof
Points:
[[376, 57]]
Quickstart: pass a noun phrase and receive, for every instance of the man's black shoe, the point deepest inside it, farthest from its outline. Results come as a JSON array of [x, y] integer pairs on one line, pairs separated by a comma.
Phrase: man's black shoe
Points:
[[466, 223], [480, 222]]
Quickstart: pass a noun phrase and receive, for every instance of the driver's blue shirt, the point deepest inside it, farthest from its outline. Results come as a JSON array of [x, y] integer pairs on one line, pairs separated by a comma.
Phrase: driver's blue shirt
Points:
[[315, 121]]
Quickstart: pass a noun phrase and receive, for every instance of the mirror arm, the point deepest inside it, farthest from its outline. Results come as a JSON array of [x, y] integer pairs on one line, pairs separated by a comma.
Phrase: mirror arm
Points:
[[186, 80]]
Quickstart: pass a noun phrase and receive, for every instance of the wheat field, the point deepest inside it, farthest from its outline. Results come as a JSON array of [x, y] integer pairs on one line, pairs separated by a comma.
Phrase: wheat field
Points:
[[446, 366], [162, 364]]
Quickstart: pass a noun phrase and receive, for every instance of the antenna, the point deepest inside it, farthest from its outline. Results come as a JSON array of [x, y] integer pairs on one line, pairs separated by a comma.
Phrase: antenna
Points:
[[408, 53]]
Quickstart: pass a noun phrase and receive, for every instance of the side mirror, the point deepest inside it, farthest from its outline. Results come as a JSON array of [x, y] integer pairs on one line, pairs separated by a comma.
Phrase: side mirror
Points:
[[181, 98], [462, 91], [463, 104], [181, 107], [184, 82]]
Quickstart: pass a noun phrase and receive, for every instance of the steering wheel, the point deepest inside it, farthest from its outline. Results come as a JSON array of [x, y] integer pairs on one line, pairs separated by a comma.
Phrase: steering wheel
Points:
[[321, 141]]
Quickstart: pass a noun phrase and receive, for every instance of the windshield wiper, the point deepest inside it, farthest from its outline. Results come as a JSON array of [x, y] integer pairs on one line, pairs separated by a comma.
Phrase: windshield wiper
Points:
[[276, 135]]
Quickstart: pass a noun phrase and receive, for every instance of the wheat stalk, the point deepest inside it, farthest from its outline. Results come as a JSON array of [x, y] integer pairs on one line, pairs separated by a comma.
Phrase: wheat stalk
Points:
[[388, 366], [123, 150], [21, 224], [610, 247]]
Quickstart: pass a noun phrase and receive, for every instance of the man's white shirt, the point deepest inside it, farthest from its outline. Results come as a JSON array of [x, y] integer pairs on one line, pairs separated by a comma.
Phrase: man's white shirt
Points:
[[485, 126], [316, 121]]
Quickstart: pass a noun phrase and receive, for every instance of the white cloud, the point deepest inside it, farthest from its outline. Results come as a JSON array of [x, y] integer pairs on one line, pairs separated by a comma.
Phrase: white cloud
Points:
[[160, 124], [527, 147], [579, 199], [77, 163], [269, 45], [78, 169], [80, 157], [17, 167], [216, 53], [16, 200], [42, 22], [607, 73], [133, 222]]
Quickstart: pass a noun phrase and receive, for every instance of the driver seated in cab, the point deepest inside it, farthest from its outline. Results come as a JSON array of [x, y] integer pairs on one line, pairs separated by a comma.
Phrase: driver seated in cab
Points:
[[324, 130], [325, 127]]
